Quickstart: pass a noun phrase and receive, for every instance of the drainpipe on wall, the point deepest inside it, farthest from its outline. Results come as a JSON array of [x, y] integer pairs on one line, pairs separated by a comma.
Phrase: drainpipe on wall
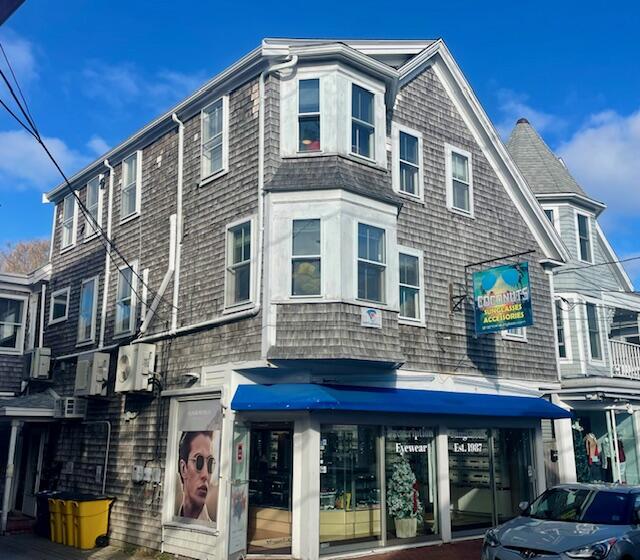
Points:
[[43, 295], [179, 223], [107, 259]]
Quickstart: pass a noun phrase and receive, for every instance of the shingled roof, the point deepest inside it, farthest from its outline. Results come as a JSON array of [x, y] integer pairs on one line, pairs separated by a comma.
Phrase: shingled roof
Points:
[[542, 169]]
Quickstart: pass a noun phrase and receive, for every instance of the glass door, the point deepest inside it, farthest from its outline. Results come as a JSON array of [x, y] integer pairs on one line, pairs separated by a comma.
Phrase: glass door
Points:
[[627, 452]]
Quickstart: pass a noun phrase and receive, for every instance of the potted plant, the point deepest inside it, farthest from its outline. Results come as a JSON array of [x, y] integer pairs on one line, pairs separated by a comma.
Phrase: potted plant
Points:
[[403, 500]]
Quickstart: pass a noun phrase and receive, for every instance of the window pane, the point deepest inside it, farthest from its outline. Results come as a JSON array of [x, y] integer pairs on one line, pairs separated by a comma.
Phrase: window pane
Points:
[[409, 270], [212, 156], [123, 316], [9, 335], [124, 283], [371, 243], [362, 104], [459, 167], [549, 214], [309, 133], [309, 96], [409, 302], [306, 237], [562, 347], [10, 310], [242, 276], [594, 331], [130, 164], [362, 139], [212, 124], [93, 187], [59, 306], [69, 203], [460, 196], [408, 178], [370, 282], [128, 201], [305, 277], [241, 243], [408, 148], [67, 234], [86, 311]]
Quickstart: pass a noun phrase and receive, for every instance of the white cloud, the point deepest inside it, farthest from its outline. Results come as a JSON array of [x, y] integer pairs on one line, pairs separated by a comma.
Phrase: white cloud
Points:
[[25, 165], [513, 106], [604, 157], [98, 145], [21, 54]]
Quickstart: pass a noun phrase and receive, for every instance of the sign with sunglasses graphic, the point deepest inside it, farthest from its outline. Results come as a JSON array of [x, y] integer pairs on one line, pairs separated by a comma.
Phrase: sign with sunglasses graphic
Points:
[[198, 461], [502, 298]]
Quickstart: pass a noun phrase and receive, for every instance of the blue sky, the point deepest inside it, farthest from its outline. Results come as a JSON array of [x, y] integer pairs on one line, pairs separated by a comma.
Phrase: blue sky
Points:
[[96, 71]]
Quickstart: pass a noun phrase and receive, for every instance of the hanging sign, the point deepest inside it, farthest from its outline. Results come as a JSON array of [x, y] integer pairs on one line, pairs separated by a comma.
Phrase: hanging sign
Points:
[[502, 298], [371, 318]]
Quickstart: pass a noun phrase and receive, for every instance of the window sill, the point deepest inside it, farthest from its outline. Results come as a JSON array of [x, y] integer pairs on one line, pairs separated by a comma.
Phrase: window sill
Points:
[[122, 335], [90, 237], [85, 343], [514, 338], [10, 352], [56, 321], [411, 322], [67, 249], [419, 199], [130, 218], [211, 178], [228, 310], [459, 212], [367, 161]]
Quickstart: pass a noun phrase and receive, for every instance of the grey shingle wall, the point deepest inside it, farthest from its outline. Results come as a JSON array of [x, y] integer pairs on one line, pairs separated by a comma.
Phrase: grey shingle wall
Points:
[[10, 373]]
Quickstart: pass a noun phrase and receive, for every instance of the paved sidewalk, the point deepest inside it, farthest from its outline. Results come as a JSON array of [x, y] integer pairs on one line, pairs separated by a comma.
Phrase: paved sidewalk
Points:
[[464, 550]]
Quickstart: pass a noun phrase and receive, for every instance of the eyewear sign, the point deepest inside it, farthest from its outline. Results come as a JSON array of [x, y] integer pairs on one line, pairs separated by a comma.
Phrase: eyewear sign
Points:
[[502, 298]]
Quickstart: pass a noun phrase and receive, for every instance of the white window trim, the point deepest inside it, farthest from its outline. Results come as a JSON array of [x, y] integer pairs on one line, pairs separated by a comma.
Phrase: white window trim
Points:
[[567, 332], [134, 301], [94, 310], [19, 348], [53, 321], [506, 335], [385, 265], [240, 306], [420, 321], [204, 179], [74, 226], [556, 216], [136, 213], [88, 225], [396, 129], [449, 150], [591, 244], [601, 330], [370, 159], [320, 256], [299, 114]]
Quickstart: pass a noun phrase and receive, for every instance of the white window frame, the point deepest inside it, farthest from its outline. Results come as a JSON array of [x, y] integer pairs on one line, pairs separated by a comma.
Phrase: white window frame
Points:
[[19, 348], [205, 178], [421, 319], [319, 256], [94, 310], [396, 129], [371, 158], [73, 220], [520, 336], [66, 290], [91, 230], [556, 216], [449, 150], [596, 304], [384, 265], [229, 306], [134, 300], [589, 232], [314, 114], [566, 328], [138, 186]]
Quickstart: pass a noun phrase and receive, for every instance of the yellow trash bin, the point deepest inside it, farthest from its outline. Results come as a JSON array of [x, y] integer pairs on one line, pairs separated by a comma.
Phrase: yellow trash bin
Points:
[[90, 520], [68, 533], [55, 519]]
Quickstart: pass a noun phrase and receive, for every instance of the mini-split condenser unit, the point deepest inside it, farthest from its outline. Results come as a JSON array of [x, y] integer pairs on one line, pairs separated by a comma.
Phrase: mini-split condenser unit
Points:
[[92, 374], [37, 363], [135, 368]]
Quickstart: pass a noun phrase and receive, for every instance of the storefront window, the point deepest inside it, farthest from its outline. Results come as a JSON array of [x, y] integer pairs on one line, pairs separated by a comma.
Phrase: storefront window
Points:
[[410, 472], [629, 468], [349, 485]]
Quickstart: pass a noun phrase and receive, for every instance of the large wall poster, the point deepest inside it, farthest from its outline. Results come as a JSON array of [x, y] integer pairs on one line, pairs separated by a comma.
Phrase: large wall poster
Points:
[[502, 298], [198, 461]]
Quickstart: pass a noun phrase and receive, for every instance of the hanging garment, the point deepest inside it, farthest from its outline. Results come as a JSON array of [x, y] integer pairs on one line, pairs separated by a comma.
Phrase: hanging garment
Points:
[[591, 444]]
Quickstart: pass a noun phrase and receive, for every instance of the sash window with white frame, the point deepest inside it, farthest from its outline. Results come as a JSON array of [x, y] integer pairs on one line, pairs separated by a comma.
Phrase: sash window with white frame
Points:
[[213, 130], [550, 214], [460, 182], [593, 326], [125, 301], [409, 280], [131, 173], [239, 264], [409, 163], [560, 326], [309, 115], [362, 122], [93, 220], [12, 319], [88, 308], [306, 258], [584, 238], [59, 306], [371, 263], [68, 221]]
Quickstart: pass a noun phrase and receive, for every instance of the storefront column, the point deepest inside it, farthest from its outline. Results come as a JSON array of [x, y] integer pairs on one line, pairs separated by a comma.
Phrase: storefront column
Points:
[[8, 481], [442, 478], [541, 479], [566, 453], [305, 537]]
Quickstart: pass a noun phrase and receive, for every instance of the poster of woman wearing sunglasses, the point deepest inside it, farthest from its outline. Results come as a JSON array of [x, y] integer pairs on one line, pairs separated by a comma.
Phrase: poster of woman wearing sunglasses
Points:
[[199, 427]]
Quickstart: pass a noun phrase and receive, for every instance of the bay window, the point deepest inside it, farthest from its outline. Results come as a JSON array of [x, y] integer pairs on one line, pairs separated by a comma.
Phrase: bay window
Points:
[[88, 309], [362, 122], [239, 262], [12, 324], [371, 263], [309, 115], [306, 258]]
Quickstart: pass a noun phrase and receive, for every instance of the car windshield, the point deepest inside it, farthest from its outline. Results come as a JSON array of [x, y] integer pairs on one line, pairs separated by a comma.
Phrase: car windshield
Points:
[[582, 505]]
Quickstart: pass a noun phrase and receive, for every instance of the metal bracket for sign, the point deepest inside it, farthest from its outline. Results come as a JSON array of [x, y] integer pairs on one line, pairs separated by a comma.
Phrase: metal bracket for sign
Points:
[[456, 300], [499, 259]]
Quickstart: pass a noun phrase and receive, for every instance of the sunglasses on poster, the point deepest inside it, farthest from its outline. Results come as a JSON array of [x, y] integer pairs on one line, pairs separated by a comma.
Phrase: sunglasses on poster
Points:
[[199, 461]]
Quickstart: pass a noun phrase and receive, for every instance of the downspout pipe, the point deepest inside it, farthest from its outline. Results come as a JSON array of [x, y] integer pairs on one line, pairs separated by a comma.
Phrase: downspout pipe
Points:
[[107, 259], [179, 223], [43, 296]]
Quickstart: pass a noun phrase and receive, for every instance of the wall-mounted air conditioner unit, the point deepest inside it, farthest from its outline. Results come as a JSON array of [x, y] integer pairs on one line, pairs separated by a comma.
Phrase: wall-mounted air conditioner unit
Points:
[[37, 363], [92, 374], [135, 368], [70, 408]]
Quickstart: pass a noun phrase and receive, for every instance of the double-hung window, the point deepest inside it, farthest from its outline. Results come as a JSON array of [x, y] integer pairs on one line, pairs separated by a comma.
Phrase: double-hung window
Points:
[[584, 238], [459, 180], [68, 221], [92, 224], [362, 122], [409, 280], [88, 310], [12, 320], [59, 306], [560, 330], [306, 258], [593, 327], [371, 263], [125, 301], [239, 257], [131, 176], [213, 141], [309, 115], [409, 163], [517, 333]]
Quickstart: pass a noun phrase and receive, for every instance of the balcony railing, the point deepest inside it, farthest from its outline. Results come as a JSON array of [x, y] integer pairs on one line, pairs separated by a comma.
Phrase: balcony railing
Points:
[[625, 359]]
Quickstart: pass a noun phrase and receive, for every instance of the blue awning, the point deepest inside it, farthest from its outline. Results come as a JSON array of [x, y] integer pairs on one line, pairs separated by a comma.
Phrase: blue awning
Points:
[[311, 396]]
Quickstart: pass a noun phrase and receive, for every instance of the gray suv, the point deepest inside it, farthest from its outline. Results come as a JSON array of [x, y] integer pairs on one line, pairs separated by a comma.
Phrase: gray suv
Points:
[[570, 522]]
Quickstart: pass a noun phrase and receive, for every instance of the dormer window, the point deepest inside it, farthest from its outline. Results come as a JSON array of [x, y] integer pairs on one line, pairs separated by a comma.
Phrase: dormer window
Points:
[[362, 122], [309, 115]]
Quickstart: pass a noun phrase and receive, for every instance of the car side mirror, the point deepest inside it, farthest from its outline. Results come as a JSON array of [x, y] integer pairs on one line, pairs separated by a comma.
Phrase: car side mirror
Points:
[[523, 506]]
